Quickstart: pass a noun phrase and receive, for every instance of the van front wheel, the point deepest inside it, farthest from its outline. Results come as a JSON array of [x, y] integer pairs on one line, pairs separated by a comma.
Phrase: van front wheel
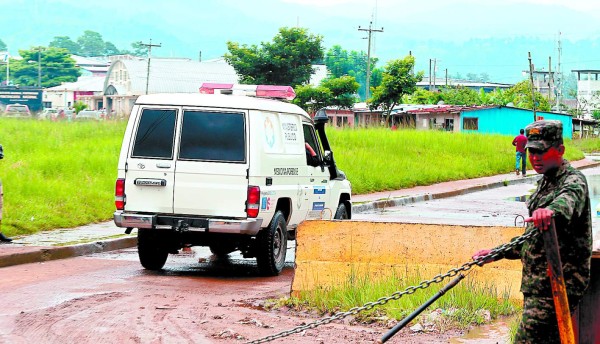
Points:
[[272, 246], [341, 213], [153, 255]]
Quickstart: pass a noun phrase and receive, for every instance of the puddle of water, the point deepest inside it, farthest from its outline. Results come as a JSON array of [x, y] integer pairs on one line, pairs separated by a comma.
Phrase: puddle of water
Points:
[[523, 198], [496, 332]]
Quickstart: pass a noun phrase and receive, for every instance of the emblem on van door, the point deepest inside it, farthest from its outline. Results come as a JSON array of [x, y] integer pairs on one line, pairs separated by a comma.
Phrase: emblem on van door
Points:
[[141, 166]]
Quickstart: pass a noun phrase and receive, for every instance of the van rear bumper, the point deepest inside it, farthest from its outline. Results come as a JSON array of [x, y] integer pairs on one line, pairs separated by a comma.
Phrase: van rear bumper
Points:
[[246, 227]]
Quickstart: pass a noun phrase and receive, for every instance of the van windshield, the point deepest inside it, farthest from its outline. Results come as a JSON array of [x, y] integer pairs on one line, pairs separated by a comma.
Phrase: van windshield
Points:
[[213, 136]]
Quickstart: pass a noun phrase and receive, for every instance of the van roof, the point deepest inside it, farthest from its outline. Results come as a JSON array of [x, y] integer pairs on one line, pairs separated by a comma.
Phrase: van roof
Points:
[[220, 101]]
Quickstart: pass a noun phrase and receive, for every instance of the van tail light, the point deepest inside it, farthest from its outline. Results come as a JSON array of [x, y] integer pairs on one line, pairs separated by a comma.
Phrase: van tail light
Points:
[[253, 201], [120, 194]]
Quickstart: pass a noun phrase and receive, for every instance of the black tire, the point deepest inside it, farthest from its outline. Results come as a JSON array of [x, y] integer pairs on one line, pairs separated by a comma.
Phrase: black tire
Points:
[[272, 246], [153, 255], [341, 213]]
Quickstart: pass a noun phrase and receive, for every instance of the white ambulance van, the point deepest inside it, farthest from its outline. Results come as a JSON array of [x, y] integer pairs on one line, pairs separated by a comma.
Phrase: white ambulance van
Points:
[[227, 171]]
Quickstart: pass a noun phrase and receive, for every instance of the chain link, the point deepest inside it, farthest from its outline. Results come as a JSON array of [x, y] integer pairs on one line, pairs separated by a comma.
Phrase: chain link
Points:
[[496, 253]]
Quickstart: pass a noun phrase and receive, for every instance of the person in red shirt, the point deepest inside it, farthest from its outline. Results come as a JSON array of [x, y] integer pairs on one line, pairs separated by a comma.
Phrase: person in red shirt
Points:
[[519, 142]]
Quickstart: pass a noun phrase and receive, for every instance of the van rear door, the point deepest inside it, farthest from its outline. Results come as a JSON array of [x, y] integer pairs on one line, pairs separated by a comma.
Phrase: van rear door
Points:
[[151, 164], [211, 173]]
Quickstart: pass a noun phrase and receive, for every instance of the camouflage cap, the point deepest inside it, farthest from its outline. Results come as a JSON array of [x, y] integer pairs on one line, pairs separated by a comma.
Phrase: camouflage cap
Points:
[[544, 134]]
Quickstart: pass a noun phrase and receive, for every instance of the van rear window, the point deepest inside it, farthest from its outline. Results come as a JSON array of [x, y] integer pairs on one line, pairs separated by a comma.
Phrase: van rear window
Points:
[[154, 138], [214, 136]]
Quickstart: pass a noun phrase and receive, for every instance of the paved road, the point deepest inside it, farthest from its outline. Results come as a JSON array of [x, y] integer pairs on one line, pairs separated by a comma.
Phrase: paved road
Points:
[[503, 206]]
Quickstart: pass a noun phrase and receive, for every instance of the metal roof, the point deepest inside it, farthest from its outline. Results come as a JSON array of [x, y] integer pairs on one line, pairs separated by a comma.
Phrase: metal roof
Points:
[[172, 75]]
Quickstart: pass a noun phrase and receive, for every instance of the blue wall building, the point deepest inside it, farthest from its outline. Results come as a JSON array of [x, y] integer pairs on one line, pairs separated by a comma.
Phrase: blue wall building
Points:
[[508, 120]]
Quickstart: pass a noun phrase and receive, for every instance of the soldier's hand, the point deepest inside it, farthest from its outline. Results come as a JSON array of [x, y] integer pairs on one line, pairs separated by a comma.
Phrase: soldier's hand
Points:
[[541, 218], [482, 253]]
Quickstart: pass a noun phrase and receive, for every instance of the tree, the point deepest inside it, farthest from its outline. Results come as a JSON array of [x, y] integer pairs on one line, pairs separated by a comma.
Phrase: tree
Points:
[[398, 80], [311, 98], [66, 43], [340, 62], [91, 44], [285, 61], [461, 96], [337, 92], [56, 67], [110, 49], [422, 96], [2, 46], [520, 96], [342, 90], [138, 49]]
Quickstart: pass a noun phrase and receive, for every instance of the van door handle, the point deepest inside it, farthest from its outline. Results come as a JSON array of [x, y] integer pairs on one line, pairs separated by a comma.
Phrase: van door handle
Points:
[[163, 165]]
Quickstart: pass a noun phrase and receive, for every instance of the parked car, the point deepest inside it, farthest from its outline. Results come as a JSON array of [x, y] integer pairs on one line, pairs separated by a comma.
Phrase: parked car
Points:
[[48, 114], [17, 111], [63, 115], [85, 115]]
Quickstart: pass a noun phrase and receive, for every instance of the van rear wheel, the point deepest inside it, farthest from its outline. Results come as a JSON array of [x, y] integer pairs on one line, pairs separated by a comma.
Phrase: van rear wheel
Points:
[[272, 246], [153, 255]]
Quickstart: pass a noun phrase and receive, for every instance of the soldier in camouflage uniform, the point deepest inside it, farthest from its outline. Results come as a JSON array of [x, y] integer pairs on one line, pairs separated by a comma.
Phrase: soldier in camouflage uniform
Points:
[[561, 194]]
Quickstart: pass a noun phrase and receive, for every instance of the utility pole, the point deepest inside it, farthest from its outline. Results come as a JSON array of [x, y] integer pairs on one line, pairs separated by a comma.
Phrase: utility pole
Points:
[[532, 88], [40, 67], [559, 76], [370, 31], [446, 77], [429, 89], [149, 46], [434, 68], [550, 77]]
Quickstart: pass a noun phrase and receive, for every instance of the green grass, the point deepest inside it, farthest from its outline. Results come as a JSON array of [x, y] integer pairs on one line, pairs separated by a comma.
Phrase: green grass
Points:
[[381, 159], [465, 305], [590, 145], [57, 174], [62, 174]]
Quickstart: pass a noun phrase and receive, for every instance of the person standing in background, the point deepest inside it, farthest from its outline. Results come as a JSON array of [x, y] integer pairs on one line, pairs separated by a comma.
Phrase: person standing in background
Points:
[[519, 142], [3, 238]]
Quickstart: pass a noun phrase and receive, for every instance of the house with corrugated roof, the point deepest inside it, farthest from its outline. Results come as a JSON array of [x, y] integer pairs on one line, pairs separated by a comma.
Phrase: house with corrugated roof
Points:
[[502, 120], [128, 79]]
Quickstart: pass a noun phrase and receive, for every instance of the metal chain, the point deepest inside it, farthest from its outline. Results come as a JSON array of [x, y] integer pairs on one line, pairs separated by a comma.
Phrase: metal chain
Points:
[[497, 252]]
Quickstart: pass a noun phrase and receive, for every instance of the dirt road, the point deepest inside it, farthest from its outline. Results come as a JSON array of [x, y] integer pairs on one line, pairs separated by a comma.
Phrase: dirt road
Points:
[[109, 298]]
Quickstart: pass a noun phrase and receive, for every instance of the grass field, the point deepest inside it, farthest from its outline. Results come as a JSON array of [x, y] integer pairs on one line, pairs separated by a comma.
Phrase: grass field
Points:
[[62, 174]]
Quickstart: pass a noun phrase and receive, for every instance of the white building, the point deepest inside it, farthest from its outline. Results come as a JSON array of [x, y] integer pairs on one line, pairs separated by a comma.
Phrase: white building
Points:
[[588, 90]]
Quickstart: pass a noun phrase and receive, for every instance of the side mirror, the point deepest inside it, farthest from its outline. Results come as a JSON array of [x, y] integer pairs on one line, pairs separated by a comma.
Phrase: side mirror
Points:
[[327, 157]]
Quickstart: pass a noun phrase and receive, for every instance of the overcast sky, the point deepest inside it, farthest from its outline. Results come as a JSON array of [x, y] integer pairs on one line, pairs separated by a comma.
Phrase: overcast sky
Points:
[[187, 27]]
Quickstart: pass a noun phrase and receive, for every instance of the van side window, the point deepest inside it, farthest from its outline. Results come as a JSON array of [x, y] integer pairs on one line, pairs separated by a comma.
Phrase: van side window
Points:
[[154, 138], [312, 149], [214, 136]]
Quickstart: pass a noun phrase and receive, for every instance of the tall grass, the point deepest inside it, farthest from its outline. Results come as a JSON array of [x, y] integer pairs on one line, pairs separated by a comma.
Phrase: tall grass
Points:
[[590, 145], [467, 304], [62, 174], [57, 174], [380, 159]]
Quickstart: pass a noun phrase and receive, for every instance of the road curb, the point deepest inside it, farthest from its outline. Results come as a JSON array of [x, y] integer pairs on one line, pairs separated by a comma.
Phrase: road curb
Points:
[[44, 254], [399, 201]]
